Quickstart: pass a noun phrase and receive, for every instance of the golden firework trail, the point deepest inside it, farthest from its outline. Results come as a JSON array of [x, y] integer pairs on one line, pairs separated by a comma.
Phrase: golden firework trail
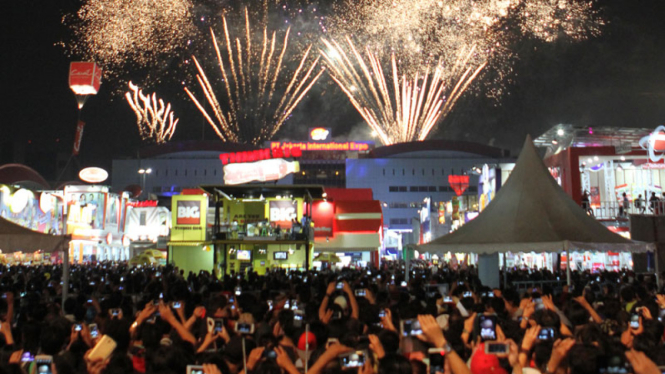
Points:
[[154, 119], [408, 109], [260, 95]]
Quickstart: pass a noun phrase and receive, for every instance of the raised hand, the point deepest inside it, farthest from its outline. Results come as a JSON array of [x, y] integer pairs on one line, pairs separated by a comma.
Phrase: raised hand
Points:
[[432, 332]]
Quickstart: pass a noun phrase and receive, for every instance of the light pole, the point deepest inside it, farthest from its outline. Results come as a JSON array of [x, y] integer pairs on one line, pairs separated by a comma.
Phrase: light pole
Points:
[[143, 173]]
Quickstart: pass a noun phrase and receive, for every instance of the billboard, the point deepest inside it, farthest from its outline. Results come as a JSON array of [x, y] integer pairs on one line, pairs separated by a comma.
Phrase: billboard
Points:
[[259, 171], [283, 212], [188, 214]]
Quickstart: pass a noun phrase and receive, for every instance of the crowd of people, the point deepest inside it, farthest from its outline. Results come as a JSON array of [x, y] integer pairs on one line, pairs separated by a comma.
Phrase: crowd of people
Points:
[[120, 319]]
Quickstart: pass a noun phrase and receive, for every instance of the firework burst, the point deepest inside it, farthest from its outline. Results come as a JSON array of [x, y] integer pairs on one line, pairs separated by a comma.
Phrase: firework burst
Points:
[[260, 91], [115, 33], [155, 120], [408, 109]]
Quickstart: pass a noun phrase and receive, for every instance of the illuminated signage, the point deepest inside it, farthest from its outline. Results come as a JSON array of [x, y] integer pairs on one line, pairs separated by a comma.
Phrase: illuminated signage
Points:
[[188, 215], [143, 204], [331, 146], [319, 134], [93, 175], [189, 212], [654, 143], [283, 212], [258, 155], [260, 171]]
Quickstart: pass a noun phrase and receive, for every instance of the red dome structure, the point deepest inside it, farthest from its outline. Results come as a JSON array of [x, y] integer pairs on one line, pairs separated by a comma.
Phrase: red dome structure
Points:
[[21, 174]]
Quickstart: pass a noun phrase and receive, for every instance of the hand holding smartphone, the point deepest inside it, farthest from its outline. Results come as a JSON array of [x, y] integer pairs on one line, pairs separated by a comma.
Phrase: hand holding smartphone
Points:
[[103, 349]]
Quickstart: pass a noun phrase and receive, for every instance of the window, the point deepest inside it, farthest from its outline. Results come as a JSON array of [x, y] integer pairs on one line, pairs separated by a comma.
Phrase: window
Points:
[[142, 219], [413, 189], [403, 172], [194, 172], [423, 189], [432, 188], [402, 189], [398, 205], [393, 171], [443, 172], [393, 189], [399, 221], [413, 171], [156, 172], [423, 171], [214, 172], [205, 172], [176, 172], [445, 189], [185, 172], [166, 172], [432, 172]]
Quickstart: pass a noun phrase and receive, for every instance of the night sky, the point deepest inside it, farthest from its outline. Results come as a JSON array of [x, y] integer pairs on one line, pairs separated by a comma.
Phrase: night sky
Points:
[[617, 79]]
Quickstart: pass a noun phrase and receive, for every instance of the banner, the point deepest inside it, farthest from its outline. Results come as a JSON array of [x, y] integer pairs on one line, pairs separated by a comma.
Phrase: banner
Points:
[[189, 217], [77, 138], [282, 212]]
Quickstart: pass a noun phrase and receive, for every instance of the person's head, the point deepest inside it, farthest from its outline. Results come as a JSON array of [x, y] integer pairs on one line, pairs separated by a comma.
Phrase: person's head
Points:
[[52, 340], [394, 364], [584, 359], [511, 299], [627, 294]]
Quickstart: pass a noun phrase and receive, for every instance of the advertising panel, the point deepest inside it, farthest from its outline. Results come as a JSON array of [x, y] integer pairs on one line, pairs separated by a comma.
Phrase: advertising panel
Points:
[[188, 212], [24, 209], [323, 214], [189, 217], [283, 212], [259, 171], [425, 221], [85, 207]]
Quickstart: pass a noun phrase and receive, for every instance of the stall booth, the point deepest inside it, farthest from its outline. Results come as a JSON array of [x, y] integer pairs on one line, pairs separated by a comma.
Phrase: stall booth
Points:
[[259, 227], [348, 224], [145, 224], [95, 220]]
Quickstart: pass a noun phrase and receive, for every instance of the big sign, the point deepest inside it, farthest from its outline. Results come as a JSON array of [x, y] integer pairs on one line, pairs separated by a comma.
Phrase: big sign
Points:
[[189, 212], [282, 212]]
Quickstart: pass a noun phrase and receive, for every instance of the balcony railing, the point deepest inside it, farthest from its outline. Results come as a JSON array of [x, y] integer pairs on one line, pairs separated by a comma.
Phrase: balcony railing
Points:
[[612, 209]]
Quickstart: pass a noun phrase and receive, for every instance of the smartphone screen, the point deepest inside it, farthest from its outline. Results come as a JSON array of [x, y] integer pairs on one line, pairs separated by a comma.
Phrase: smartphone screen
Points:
[[435, 361], [487, 327], [297, 320], [496, 348], [339, 285], [219, 324], [546, 333], [44, 365], [467, 294], [635, 320], [94, 331], [447, 299], [353, 359], [360, 292], [411, 327], [27, 357], [244, 328]]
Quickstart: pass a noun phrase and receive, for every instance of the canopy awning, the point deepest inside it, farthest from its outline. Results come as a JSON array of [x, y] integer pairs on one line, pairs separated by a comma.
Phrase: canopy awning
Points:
[[533, 213], [14, 238]]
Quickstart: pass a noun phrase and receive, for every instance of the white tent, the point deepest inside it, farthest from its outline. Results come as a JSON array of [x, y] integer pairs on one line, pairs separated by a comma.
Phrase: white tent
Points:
[[532, 213], [15, 238]]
